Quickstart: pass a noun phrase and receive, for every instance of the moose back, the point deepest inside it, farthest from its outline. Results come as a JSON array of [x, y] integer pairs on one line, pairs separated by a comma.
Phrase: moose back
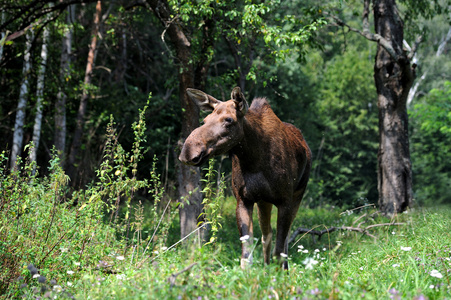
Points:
[[271, 163]]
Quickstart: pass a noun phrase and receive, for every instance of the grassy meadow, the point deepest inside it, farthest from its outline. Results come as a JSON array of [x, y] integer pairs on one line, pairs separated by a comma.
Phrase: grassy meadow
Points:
[[98, 243], [406, 262], [54, 249]]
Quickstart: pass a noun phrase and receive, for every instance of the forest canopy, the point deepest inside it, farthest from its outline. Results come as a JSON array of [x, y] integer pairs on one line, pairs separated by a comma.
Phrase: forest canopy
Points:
[[67, 66]]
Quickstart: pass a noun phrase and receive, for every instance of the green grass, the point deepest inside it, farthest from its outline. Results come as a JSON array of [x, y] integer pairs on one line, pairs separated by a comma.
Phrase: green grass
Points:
[[100, 249], [360, 267]]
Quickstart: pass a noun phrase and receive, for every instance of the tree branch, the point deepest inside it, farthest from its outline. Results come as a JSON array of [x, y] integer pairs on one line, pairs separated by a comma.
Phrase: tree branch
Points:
[[319, 233], [375, 37], [28, 14], [173, 276], [414, 48], [440, 49]]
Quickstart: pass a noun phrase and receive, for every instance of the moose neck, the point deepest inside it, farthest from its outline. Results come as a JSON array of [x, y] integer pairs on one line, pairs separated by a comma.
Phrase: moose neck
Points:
[[253, 148]]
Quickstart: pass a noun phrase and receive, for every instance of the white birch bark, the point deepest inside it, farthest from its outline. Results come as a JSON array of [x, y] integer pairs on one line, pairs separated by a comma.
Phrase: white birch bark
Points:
[[21, 106], [39, 97], [60, 105], [2, 36], [439, 52]]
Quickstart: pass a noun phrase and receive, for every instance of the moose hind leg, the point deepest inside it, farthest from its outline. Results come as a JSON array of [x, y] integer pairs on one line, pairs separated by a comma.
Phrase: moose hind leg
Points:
[[264, 219], [285, 217]]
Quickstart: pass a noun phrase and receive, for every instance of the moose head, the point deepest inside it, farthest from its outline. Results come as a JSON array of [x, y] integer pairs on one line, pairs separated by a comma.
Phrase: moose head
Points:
[[221, 131]]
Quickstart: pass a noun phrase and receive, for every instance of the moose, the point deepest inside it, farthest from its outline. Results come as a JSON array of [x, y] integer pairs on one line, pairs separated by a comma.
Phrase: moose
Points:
[[271, 162]]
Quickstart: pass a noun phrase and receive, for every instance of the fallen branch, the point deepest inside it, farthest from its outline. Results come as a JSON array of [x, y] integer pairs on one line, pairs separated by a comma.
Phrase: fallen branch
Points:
[[319, 233], [173, 276]]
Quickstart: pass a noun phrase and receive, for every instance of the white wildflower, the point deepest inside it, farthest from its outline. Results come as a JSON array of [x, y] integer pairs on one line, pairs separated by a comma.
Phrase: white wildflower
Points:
[[309, 263], [435, 273], [395, 265], [244, 238], [283, 255], [120, 276], [70, 272], [57, 288], [301, 247], [36, 276], [406, 248], [69, 283], [120, 257]]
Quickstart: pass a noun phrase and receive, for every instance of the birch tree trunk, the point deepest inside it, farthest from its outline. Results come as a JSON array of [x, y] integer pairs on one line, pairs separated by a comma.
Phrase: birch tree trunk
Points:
[[439, 52], [39, 97], [60, 104], [77, 139], [21, 106], [2, 36]]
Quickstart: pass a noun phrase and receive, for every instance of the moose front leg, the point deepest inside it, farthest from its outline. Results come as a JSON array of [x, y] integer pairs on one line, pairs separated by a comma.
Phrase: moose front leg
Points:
[[264, 219], [244, 222]]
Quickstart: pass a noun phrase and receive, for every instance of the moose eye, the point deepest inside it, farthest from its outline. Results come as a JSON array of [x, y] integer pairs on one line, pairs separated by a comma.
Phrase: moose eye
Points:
[[228, 120]]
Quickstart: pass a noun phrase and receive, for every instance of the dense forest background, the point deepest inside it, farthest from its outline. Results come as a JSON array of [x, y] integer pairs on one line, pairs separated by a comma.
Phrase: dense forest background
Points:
[[321, 80]]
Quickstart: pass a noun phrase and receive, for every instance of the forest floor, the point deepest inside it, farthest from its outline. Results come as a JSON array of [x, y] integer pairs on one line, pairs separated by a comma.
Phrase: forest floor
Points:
[[410, 260]]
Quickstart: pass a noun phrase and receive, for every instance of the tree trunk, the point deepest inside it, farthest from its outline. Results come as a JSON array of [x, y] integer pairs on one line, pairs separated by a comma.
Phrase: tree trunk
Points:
[[60, 105], [394, 77], [77, 139], [39, 97], [21, 106], [188, 176]]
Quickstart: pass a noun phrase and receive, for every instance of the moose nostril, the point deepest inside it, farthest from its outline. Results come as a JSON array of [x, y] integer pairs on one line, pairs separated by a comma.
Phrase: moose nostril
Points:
[[198, 158]]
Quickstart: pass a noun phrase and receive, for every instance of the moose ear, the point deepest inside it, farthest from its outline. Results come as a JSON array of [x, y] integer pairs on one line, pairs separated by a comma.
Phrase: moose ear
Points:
[[238, 97], [203, 100]]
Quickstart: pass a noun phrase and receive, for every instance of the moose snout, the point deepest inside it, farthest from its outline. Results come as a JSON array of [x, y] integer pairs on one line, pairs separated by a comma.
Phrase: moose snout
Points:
[[192, 154]]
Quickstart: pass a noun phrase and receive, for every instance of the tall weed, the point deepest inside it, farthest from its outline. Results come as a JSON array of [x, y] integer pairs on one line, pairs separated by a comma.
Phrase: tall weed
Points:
[[50, 239]]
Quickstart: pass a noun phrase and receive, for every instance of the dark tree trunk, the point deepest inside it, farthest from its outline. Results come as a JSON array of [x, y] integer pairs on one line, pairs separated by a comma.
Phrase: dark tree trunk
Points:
[[188, 177], [394, 77], [78, 133]]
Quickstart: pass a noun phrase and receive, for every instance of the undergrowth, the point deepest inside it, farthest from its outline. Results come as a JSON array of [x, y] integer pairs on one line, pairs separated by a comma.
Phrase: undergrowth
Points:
[[50, 237], [103, 243]]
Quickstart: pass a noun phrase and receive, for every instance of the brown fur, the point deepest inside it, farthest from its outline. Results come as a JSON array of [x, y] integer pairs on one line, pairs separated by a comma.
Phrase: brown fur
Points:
[[271, 163]]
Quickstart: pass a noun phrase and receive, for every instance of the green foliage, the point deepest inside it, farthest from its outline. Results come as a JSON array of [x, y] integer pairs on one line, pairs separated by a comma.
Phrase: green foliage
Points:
[[49, 239], [212, 200], [348, 115], [39, 227], [431, 123], [434, 113]]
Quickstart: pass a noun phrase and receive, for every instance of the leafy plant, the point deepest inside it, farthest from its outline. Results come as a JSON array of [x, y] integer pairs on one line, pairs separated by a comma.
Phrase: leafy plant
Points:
[[213, 197]]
